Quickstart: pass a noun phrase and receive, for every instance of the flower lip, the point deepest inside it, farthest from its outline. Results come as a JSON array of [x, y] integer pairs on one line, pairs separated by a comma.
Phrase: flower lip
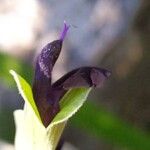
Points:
[[64, 31], [86, 76]]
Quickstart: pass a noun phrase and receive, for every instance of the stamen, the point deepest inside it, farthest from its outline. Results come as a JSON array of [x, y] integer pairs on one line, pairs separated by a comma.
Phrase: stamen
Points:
[[64, 31]]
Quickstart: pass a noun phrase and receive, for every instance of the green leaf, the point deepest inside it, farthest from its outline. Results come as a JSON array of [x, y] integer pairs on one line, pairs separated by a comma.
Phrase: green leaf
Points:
[[70, 104], [25, 91], [30, 131], [103, 124]]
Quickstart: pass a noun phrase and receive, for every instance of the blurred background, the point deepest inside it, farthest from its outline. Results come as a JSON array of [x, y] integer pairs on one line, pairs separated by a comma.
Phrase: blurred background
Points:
[[113, 34]]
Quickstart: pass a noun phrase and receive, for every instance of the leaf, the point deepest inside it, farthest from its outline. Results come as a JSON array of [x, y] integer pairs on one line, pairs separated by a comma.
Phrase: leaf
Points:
[[70, 104], [30, 132], [25, 91]]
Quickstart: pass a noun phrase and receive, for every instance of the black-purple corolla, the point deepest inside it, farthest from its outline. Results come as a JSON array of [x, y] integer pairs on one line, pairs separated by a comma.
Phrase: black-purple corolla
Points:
[[47, 94]]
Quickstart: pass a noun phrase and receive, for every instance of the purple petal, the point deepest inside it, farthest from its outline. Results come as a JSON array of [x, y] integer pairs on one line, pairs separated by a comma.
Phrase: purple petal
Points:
[[45, 98], [42, 80], [83, 77], [48, 57]]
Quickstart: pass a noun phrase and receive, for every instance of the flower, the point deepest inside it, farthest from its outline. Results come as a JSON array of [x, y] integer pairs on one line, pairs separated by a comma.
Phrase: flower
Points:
[[47, 94]]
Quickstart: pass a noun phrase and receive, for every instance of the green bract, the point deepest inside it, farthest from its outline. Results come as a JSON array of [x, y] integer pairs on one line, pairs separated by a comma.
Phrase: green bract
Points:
[[30, 132]]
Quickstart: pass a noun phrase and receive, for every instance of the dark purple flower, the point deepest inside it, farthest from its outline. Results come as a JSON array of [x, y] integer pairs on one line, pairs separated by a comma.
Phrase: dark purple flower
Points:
[[48, 95]]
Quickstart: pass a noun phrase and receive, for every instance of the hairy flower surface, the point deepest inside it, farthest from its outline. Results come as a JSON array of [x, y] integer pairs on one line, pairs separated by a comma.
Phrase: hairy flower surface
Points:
[[48, 95]]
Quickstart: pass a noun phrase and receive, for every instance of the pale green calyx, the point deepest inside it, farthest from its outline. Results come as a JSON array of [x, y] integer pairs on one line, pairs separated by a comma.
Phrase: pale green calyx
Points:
[[30, 132]]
